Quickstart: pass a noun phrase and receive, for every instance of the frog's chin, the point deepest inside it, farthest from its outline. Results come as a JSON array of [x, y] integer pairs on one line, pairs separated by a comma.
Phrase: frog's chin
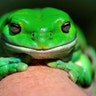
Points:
[[53, 53]]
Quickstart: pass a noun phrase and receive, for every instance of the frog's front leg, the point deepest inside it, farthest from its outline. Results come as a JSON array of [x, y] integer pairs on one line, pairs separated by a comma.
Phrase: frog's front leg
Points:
[[79, 71], [69, 67], [11, 65]]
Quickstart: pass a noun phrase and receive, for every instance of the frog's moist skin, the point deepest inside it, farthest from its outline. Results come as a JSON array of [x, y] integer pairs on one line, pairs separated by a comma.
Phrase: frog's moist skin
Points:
[[47, 34]]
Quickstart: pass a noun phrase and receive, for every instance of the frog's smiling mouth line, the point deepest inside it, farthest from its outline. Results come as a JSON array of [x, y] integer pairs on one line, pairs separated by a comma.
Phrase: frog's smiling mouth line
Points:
[[59, 51]]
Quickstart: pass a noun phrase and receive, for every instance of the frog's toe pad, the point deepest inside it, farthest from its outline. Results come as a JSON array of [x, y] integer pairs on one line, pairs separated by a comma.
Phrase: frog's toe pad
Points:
[[73, 76], [22, 67]]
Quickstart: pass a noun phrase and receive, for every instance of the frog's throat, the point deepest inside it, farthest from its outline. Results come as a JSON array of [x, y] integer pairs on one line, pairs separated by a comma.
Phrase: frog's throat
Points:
[[52, 53]]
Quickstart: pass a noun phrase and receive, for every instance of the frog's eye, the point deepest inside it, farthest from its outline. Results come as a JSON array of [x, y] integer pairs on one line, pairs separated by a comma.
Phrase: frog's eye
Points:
[[14, 28], [65, 27]]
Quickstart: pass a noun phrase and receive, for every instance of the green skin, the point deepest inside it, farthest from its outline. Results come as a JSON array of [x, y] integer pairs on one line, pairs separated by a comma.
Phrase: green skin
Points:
[[40, 38]]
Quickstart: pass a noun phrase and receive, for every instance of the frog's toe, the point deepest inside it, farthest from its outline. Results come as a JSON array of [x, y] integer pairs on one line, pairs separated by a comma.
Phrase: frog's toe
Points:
[[52, 64], [22, 66], [3, 71], [73, 76]]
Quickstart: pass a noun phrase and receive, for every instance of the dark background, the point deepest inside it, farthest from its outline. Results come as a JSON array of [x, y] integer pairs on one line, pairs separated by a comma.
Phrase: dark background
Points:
[[83, 12]]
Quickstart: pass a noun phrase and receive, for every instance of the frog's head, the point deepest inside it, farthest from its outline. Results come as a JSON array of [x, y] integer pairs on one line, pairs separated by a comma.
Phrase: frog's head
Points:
[[41, 32]]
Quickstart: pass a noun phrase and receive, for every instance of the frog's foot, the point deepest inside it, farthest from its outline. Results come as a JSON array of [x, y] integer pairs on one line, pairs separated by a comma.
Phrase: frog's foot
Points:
[[69, 67], [11, 65]]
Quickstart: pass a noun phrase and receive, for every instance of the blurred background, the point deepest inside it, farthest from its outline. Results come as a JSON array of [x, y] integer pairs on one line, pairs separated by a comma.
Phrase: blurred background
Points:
[[83, 12]]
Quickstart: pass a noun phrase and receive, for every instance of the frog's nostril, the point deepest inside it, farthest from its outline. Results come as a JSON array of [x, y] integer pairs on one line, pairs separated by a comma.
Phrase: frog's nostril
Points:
[[33, 35], [50, 37]]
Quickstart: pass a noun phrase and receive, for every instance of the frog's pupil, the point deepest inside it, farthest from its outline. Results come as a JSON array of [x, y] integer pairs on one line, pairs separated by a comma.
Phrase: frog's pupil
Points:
[[65, 27], [14, 28]]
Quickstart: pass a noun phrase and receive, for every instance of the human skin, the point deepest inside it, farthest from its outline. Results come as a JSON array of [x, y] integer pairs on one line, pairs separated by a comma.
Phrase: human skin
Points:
[[40, 81]]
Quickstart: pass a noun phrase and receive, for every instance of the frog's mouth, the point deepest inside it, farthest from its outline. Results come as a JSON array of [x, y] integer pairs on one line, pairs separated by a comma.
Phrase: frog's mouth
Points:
[[57, 52]]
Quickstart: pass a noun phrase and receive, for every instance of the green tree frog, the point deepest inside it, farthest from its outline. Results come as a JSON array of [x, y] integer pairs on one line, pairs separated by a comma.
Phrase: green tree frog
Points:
[[44, 35]]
